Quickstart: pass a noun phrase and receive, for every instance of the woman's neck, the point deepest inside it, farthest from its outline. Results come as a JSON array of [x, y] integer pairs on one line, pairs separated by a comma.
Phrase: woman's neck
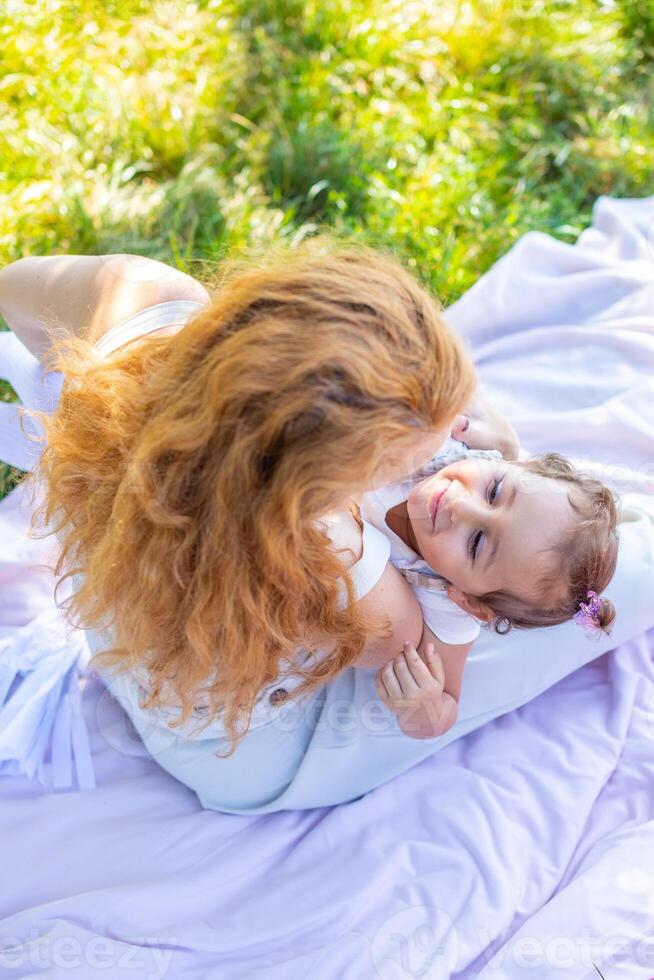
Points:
[[397, 518]]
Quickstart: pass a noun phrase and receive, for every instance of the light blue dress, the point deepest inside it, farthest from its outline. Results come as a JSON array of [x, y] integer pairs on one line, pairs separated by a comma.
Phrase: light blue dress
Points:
[[340, 742]]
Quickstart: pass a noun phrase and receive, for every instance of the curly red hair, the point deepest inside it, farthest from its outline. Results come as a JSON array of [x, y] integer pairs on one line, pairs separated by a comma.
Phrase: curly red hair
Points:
[[185, 476]]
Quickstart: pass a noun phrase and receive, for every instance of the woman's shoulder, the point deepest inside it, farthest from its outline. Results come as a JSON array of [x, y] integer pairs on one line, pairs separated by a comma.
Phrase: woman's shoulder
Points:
[[134, 284], [362, 548]]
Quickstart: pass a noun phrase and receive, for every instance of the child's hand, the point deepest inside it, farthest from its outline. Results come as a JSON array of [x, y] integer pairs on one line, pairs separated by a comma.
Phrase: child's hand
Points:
[[483, 427], [413, 690]]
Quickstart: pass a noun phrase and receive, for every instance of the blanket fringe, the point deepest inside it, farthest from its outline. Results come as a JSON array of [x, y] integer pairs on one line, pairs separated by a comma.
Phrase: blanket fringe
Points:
[[41, 663], [41, 666]]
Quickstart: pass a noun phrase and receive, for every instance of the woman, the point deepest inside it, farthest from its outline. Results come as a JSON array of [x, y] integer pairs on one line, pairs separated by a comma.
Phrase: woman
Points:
[[224, 455], [244, 438]]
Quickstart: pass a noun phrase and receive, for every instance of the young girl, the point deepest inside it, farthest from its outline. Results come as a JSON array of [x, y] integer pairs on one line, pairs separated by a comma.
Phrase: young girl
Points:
[[480, 538]]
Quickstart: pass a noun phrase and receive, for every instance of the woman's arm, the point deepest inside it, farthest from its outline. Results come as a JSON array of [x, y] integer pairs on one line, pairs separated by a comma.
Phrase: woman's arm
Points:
[[391, 600], [85, 294]]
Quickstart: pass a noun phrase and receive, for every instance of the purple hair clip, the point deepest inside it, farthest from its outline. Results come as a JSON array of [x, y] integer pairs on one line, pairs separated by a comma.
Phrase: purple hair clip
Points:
[[588, 614]]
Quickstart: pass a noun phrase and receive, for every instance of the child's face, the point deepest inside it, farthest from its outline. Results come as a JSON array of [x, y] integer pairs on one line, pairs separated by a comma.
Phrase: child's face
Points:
[[486, 525]]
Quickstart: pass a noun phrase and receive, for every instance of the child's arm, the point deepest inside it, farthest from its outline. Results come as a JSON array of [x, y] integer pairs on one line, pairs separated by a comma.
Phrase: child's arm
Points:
[[453, 657], [423, 686]]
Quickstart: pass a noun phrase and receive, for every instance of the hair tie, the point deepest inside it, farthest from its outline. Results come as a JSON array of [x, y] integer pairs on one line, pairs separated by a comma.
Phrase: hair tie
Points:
[[588, 614]]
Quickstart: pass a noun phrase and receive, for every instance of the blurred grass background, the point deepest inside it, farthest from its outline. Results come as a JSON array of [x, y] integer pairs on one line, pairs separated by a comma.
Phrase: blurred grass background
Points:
[[443, 129]]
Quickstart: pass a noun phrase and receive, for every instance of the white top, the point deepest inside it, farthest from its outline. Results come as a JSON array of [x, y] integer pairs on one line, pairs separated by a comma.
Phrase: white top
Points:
[[443, 617], [172, 314], [365, 573]]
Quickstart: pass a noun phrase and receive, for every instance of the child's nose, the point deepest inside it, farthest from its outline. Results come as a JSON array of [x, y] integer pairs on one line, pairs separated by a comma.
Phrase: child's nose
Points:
[[469, 506]]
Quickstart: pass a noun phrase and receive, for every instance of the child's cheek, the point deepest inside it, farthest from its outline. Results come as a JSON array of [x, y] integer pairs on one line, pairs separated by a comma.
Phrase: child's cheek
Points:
[[436, 556], [447, 555]]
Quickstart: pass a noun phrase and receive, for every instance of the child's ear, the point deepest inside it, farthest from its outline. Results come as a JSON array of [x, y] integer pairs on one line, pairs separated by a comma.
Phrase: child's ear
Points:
[[471, 604]]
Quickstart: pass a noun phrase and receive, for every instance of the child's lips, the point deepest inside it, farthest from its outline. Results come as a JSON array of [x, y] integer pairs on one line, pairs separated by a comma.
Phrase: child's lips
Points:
[[434, 505]]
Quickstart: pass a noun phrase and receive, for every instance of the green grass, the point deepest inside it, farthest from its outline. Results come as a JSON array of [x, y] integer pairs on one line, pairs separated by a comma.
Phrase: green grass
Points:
[[443, 129]]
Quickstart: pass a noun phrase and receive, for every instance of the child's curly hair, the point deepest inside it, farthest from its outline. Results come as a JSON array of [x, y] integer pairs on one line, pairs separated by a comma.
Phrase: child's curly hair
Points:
[[586, 558]]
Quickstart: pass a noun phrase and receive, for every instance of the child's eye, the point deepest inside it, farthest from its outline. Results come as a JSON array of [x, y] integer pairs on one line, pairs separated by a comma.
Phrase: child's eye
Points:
[[473, 547], [493, 491]]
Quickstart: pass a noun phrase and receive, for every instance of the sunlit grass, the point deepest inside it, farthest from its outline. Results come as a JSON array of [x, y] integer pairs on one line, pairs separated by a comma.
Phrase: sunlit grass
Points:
[[442, 129]]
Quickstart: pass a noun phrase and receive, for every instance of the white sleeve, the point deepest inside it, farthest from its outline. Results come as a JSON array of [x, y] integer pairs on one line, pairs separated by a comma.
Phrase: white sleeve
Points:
[[367, 571], [173, 313], [444, 618], [375, 553]]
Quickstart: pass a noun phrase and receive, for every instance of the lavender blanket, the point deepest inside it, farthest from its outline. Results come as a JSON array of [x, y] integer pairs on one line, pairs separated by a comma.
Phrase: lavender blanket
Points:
[[524, 849]]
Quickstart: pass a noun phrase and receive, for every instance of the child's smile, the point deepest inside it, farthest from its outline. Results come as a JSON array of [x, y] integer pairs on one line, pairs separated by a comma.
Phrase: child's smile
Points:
[[488, 525]]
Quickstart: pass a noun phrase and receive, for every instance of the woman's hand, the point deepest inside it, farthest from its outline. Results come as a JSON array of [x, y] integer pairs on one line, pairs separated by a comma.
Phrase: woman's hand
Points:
[[483, 427], [413, 690]]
